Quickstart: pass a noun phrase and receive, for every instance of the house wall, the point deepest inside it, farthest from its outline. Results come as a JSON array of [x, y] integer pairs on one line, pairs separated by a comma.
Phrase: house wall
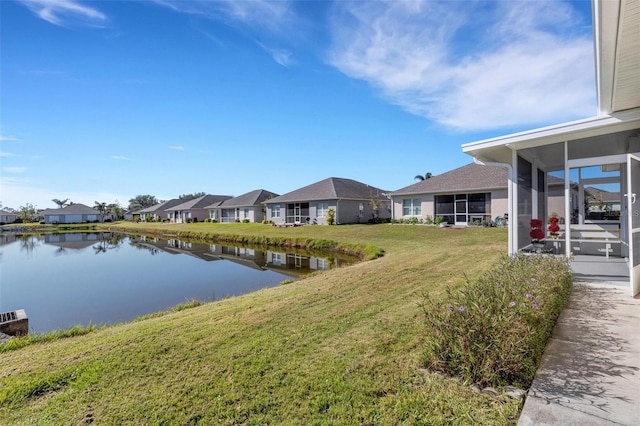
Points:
[[555, 200], [257, 214], [8, 218], [426, 205], [497, 206], [71, 218], [499, 203], [283, 212], [349, 211]]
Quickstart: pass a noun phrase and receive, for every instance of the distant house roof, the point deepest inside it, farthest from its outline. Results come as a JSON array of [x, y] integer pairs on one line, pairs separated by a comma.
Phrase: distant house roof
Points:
[[200, 203], [331, 189], [161, 206], [472, 177], [252, 198], [602, 195], [72, 209], [6, 213]]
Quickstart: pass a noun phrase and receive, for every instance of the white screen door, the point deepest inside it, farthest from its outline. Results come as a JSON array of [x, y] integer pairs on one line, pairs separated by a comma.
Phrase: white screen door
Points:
[[633, 188]]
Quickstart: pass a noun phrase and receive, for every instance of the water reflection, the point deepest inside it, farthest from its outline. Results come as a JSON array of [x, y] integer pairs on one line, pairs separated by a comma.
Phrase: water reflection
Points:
[[80, 278], [288, 263]]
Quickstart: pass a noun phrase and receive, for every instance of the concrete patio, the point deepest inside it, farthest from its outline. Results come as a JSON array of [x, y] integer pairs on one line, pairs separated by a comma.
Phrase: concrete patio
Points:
[[590, 371]]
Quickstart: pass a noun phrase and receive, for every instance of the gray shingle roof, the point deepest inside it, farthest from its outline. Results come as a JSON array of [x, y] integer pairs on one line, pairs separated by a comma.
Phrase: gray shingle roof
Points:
[[471, 177], [200, 202], [72, 209], [601, 194], [161, 206], [6, 213], [249, 199], [331, 189]]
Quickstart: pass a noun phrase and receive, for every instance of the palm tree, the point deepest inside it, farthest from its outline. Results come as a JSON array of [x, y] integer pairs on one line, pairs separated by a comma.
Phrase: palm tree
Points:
[[62, 203], [102, 208], [425, 177]]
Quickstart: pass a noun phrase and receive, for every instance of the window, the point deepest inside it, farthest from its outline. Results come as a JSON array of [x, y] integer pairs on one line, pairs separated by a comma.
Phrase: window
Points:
[[361, 210], [478, 203], [275, 211], [246, 213], [411, 207], [322, 209]]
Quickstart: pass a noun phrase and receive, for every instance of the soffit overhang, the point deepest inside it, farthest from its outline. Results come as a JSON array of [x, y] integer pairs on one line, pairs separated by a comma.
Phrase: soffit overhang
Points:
[[500, 149], [617, 53]]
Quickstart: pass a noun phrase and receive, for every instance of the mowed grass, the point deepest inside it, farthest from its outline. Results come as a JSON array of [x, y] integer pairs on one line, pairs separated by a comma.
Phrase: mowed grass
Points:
[[340, 347]]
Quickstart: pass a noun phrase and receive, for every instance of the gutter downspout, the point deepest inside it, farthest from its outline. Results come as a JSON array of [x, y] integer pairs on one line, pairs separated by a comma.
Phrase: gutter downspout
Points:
[[509, 197]]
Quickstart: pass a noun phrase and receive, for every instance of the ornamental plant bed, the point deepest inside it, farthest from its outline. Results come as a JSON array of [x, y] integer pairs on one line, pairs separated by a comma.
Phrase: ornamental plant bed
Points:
[[494, 330]]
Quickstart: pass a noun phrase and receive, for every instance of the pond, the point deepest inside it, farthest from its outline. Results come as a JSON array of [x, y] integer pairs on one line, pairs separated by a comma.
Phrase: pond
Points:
[[63, 280]]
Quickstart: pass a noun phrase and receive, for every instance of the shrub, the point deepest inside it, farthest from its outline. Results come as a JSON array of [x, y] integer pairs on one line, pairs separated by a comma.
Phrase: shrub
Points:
[[376, 220], [438, 220], [245, 221], [331, 216], [494, 330]]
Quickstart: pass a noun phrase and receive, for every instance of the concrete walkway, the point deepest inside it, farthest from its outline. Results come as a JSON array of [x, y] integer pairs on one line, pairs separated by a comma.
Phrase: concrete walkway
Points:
[[590, 371]]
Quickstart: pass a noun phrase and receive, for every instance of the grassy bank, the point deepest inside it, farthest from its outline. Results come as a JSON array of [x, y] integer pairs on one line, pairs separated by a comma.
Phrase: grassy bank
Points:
[[341, 347]]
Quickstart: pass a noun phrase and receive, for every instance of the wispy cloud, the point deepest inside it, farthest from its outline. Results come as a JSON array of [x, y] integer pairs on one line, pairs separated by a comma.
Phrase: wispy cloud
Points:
[[262, 18], [7, 154], [8, 139], [13, 170], [66, 13], [120, 157], [439, 61], [266, 14], [281, 56], [176, 147]]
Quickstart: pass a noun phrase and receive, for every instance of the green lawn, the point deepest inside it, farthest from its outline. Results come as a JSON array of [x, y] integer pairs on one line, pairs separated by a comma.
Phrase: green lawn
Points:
[[341, 347]]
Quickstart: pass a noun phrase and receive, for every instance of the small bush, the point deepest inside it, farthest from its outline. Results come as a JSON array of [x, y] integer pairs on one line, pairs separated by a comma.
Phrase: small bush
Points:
[[331, 216], [494, 330], [377, 220], [245, 221]]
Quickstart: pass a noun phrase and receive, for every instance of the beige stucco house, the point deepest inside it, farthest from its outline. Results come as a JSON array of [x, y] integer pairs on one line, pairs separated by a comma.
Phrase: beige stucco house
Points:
[[470, 193]]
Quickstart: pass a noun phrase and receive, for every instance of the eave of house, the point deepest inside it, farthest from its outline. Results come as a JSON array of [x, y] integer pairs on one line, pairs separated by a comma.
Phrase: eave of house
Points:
[[500, 149]]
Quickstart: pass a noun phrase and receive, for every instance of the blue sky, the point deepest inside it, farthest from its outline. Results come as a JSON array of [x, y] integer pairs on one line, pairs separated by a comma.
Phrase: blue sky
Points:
[[106, 100]]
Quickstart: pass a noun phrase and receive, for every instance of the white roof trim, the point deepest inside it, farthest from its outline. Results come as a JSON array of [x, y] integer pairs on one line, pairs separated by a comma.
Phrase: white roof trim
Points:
[[595, 126]]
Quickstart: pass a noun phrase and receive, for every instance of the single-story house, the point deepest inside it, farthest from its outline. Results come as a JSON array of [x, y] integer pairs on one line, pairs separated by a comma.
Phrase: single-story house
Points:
[[157, 212], [195, 210], [351, 201], [470, 193], [74, 213], [7, 217], [593, 152], [247, 206]]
